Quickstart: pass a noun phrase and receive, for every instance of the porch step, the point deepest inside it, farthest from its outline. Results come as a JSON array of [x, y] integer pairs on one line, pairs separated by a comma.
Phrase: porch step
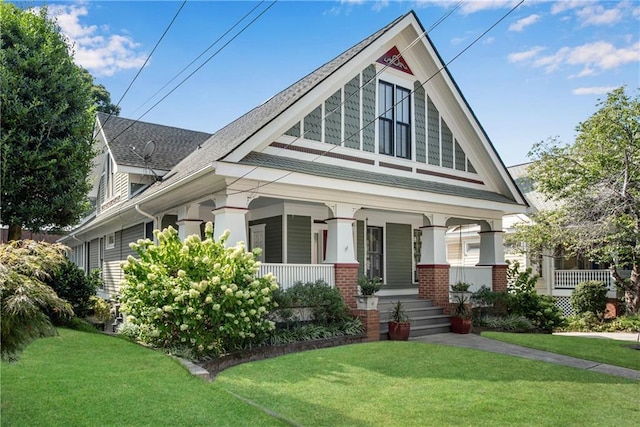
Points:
[[425, 318]]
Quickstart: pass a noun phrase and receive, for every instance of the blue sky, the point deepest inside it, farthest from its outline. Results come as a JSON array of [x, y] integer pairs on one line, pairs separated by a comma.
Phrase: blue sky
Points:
[[536, 75]]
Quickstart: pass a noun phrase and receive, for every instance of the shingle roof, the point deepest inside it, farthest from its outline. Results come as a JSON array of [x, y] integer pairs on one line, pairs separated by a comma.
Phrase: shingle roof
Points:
[[537, 200], [172, 144], [235, 133], [339, 172]]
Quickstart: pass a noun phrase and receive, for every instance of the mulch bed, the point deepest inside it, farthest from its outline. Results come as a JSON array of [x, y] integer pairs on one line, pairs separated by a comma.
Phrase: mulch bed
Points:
[[217, 365]]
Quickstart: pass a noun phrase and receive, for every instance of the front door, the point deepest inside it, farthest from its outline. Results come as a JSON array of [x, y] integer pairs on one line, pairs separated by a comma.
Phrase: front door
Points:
[[375, 256]]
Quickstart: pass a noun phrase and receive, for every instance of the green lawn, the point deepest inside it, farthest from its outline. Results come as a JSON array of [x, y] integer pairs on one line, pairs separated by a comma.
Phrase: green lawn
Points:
[[612, 352], [80, 379]]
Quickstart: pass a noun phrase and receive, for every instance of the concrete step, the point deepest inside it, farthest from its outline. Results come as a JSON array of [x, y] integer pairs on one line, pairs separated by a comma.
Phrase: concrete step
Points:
[[425, 318]]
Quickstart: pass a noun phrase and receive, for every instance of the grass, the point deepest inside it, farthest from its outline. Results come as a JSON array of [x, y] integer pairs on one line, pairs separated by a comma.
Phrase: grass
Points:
[[612, 352], [90, 379]]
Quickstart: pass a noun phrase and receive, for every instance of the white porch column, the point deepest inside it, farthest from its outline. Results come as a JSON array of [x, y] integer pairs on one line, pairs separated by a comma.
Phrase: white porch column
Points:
[[433, 250], [189, 220], [230, 212], [492, 246], [340, 244]]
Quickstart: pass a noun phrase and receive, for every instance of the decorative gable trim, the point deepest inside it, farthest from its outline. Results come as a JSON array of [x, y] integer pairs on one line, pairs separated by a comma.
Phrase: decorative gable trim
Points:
[[393, 59]]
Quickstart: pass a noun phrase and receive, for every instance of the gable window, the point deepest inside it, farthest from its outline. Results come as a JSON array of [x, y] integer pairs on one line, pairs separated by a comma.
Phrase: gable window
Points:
[[394, 108]]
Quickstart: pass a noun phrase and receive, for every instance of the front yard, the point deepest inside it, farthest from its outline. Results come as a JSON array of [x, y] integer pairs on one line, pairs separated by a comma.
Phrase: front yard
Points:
[[91, 379]]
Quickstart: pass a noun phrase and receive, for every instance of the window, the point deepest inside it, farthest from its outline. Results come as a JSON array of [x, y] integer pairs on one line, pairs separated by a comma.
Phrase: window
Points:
[[394, 108], [375, 256], [110, 241]]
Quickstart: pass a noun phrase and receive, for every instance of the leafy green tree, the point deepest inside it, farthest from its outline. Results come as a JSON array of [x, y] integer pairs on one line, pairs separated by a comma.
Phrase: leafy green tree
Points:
[[24, 297], [596, 186], [46, 129], [101, 96]]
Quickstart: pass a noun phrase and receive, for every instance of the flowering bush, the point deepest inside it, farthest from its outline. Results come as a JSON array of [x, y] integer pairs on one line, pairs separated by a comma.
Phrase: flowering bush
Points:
[[197, 294]]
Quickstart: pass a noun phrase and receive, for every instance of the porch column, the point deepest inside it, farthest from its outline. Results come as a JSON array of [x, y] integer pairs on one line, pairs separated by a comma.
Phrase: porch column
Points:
[[492, 253], [433, 269], [341, 250], [230, 212], [189, 220]]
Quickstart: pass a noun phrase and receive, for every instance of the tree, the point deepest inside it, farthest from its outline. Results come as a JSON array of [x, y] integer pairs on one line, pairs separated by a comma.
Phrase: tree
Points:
[[46, 130], [24, 297], [101, 96], [596, 186]]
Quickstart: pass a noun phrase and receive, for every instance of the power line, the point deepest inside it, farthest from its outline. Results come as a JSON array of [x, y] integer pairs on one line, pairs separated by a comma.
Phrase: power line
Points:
[[196, 70], [199, 56], [372, 79], [175, 16]]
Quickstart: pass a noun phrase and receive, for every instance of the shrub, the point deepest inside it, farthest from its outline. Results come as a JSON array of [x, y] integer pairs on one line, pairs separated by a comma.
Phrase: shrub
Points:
[[590, 297], [73, 285], [197, 294], [508, 323], [589, 322], [523, 299], [325, 303], [25, 298]]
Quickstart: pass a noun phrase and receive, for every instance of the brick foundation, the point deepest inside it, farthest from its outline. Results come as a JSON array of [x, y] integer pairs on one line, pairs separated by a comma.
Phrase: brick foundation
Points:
[[499, 278], [433, 284], [346, 280], [371, 321]]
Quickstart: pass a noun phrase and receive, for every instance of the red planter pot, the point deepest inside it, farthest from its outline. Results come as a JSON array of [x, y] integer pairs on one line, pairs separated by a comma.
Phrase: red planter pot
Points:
[[399, 331], [460, 325]]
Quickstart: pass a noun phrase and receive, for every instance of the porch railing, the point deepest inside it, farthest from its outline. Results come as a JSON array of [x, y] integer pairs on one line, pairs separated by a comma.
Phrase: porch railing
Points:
[[288, 274], [569, 279], [476, 276]]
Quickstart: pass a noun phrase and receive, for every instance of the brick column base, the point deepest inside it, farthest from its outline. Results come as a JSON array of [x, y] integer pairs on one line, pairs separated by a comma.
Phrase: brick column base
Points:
[[371, 321], [433, 284], [346, 280], [499, 278]]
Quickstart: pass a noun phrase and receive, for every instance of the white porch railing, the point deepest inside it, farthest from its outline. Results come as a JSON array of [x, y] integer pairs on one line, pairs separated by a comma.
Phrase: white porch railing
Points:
[[569, 279], [476, 276], [288, 274]]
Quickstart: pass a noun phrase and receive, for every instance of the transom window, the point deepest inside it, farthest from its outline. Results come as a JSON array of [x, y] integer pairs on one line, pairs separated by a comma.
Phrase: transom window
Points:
[[394, 107]]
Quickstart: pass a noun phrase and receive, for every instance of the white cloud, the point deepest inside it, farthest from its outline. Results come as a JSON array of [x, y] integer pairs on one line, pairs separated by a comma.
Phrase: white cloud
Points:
[[598, 15], [469, 7], [525, 55], [592, 57], [520, 24], [564, 5], [596, 90], [101, 53]]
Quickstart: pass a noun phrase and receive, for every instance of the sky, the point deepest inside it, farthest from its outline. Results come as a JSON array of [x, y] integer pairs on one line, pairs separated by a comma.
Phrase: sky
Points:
[[536, 75]]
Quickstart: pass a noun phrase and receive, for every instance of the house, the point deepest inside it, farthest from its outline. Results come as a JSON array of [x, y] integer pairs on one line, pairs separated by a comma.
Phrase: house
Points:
[[359, 168]]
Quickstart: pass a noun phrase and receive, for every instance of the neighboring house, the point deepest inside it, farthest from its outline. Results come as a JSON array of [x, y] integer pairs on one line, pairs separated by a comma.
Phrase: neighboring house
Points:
[[26, 234], [358, 168]]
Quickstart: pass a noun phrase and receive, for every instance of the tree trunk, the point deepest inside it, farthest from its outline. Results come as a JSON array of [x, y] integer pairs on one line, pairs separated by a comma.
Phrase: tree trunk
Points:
[[631, 288], [15, 232]]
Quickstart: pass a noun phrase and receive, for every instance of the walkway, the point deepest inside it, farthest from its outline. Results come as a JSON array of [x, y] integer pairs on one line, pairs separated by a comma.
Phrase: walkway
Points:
[[481, 343]]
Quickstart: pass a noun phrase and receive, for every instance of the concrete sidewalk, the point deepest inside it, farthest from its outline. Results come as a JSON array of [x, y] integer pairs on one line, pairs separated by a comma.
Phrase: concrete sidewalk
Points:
[[481, 343]]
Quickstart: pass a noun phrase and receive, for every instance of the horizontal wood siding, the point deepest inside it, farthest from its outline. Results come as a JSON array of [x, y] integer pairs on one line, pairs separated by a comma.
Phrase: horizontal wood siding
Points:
[[398, 250], [112, 274], [298, 239], [272, 237]]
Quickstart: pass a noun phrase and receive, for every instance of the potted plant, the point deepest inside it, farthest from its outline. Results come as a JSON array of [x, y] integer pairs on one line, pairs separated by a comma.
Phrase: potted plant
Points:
[[460, 290], [367, 299], [461, 319], [399, 325]]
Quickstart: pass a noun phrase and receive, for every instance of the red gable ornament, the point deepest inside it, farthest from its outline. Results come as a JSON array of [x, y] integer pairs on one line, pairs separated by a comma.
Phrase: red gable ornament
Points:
[[394, 60]]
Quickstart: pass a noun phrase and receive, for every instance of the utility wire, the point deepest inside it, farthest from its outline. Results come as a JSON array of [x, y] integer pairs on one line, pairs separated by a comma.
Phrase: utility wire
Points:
[[371, 80], [175, 16], [389, 109], [196, 70], [199, 56]]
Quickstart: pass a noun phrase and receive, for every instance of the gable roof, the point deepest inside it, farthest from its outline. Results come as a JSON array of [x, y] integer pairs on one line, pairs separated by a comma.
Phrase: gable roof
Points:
[[227, 139], [127, 139], [536, 199]]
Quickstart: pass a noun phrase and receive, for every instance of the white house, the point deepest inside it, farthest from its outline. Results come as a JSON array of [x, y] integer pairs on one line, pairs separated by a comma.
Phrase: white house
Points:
[[359, 168]]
